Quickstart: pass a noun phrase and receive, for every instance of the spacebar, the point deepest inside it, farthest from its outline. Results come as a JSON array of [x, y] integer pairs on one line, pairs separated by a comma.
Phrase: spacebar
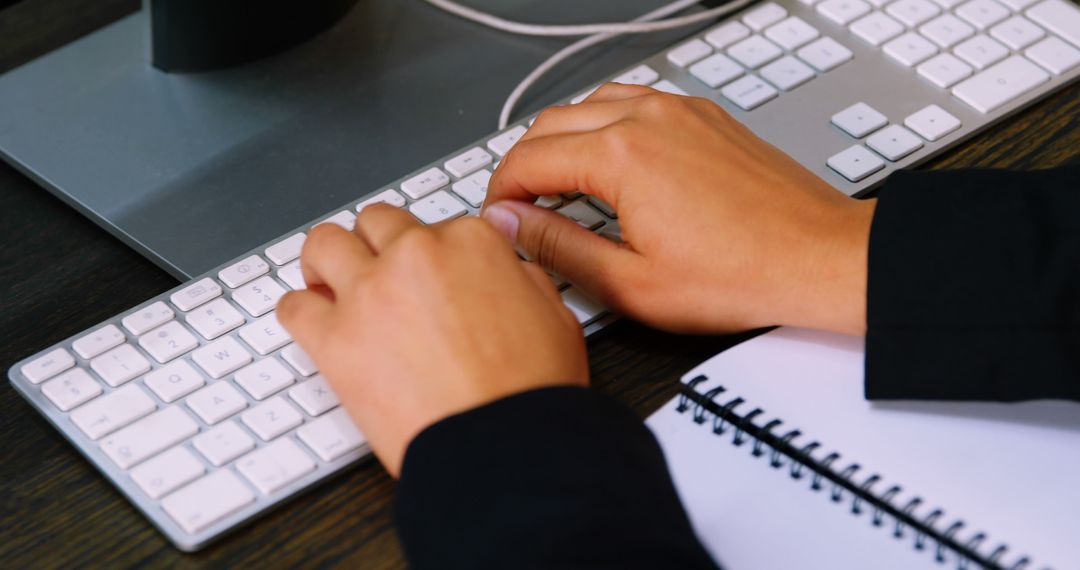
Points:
[[1000, 84]]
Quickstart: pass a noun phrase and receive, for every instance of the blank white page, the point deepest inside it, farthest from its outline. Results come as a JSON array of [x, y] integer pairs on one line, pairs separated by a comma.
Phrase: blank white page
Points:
[[751, 516], [1011, 471]]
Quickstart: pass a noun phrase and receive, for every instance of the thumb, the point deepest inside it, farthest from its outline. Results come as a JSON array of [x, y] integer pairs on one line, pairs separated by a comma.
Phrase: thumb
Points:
[[560, 245]]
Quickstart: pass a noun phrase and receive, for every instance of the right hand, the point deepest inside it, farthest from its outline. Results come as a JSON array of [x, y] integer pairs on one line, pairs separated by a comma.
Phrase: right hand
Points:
[[721, 230]]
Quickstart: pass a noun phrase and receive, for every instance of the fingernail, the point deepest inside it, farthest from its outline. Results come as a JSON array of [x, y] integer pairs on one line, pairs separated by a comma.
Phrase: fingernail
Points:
[[503, 219]]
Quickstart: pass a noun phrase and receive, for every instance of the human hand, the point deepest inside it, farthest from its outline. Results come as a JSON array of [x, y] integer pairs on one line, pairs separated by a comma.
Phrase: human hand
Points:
[[721, 230], [411, 324]]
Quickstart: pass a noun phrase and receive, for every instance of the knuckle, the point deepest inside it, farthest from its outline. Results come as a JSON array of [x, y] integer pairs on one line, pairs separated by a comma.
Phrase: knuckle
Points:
[[547, 246], [617, 141], [548, 114]]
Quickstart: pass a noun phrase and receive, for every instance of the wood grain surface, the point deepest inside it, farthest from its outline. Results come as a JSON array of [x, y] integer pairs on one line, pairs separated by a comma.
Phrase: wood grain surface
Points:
[[62, 274]]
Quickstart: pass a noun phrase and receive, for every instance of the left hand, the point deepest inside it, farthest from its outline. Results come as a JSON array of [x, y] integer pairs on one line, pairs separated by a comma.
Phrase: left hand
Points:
[[411, 324]]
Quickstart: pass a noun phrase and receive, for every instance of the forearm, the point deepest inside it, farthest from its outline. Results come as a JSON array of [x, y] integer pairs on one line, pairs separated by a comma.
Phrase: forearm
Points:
[[557, 477], [974, 286]]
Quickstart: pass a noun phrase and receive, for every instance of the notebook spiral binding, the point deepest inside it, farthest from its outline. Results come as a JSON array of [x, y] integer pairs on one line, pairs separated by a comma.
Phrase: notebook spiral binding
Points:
[[839, 480]]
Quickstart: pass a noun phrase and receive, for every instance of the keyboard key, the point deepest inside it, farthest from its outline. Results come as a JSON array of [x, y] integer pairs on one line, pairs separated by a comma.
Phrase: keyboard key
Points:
[[726, 34], [1017, 32], [148, 436], [343, 220], [174, 381], [148, 317], [912, 12], [425, 183], [981, 51], [792, 33], [580, 97], [982, 13], [216, 402], [314, 396], [1017, 5], [292, 275], [824, 54], [992, 88], [583, 214], [787, 73], [910, 49], [548, 202], [438, 207], [946, 30], [223, 443], [215, 319], [98, 341], [855, 163], [113, 411], [265, 335], [473, 188], [944, 70], [275, 466], [221, 357], [45, 367], [859, 120], [1060, 17], [688, 53], [1054, 54], [264, 378], [120, 365], [272, 418], [932, 122], [749, 92], [70, 389], [391, 197], [168, 341], [260, 296], [755, 51], [640, 75], [666, 86], [207, 500], [843, 11], [196, 294], [603, 207], [332, 435], [243, 271], [716, 70], [468, 162], [299, 360], [167, 472], [894, 142], [584, 308], [877, 28], [764, 16], [502, 144]]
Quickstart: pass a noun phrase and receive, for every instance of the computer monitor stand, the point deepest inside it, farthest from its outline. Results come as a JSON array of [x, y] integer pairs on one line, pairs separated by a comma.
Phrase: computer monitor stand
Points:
[[194, 169]]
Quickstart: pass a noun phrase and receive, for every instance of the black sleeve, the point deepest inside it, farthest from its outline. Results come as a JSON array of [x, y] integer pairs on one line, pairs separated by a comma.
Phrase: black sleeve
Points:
[[552, 478], [974, 286]]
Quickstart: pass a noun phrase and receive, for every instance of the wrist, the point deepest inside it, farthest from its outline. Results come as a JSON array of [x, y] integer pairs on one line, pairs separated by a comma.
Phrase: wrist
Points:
[[827, 289]]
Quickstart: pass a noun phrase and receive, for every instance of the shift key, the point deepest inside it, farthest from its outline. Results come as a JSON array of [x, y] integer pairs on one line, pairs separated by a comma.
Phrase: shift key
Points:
[[1000, 83]]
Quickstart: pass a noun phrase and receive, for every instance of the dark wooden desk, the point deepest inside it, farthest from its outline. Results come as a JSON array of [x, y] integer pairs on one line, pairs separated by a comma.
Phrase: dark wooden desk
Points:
[[61, 275]]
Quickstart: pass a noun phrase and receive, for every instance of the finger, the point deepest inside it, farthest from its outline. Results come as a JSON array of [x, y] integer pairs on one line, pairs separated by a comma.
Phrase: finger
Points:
[[554, 165], [380, 224], [306, 315], [333, 256], [579, 118], [561, 246], [618, 92], [542, 280]]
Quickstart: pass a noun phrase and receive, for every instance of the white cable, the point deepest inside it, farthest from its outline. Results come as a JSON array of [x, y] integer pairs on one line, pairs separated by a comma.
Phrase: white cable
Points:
[[639, 26], [585, 43]]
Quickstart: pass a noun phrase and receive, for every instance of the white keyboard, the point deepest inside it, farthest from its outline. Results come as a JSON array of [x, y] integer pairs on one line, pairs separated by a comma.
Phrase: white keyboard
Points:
[[198, 406]]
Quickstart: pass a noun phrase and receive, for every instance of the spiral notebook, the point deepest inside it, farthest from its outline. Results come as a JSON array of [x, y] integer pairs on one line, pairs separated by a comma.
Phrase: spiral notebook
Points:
[[782, 463]]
